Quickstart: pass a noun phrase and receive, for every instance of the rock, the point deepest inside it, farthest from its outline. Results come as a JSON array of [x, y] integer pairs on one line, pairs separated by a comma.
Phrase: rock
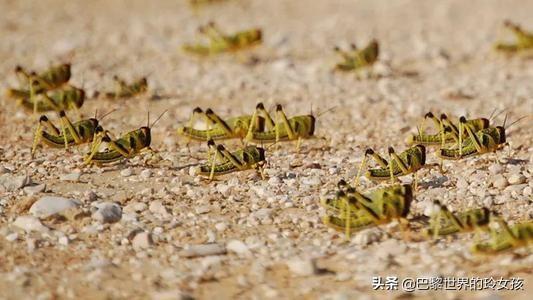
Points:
[[31, 190], [367, 236], [135, 207], [221, 226], [302, 267], [461, 183], [63, 241], [147, 173], [107, 212], [157, 207], [12, 183], [496, 169], [204, 250], [4, 170], [51, 205], [499, 181], [142, 240], [126, 172], [312, 181], [517, 179], [30, 224], [71, 177], [12, 237], [238, 247], [202, 209]]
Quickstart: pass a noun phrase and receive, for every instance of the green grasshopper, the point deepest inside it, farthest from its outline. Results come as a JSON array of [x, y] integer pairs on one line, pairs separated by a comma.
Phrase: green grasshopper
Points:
[[444, 222], [219, 129], [220, 42], [124, 90], [222, 162], [356, 59], [356, 211], [50, 79], [506, 238], [284, 129], [65, 98], [524, 40], [408, 162], [129, 145], [447, 131], [78, 133]]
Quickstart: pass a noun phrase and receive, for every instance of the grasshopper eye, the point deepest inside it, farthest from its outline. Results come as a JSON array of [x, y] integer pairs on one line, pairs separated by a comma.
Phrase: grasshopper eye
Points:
[[391, 150], [18, 68], [336, 49], [209, 111], [221, 148], [462, 119], [260, 106], [62, 113], [43, 118], [369, 151], [429, 115], [197, 110], [443, 117]]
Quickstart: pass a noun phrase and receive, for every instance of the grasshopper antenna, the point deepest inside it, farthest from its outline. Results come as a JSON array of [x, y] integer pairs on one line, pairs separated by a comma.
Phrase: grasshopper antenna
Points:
[[499, 113], [158, 118], [519, 119], [106, 114], [505, 120], [326, 111]]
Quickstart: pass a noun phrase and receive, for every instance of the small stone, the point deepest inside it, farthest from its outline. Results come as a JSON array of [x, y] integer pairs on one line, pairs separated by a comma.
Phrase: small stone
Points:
[[126, 172], [499, 181], [302, 267], [528, 191], [29, 224], [12, 183], [107, 212], [312, 181], [4, 170], [193, 171], [142, 240], [204, 250], [74, 177], [238, 247], [135, 207], [495, 169], [34, 189], [202, 209], [63, 241], [462, 183], [147, 173], [367, 236], [157, 207], [221, 227], [12, 237], [51, 205], [517, 179]]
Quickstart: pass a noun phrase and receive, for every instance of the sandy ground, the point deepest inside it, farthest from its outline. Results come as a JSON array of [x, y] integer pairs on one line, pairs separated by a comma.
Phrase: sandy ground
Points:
[[267, 225]]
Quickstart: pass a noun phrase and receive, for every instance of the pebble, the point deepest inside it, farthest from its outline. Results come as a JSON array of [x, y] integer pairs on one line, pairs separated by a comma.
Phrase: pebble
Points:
[[51, 205], [157, 207], [302, 267], [126, 172], [238, 247], [63, 241], [312, 181], [367, 236], [147, 173], [12, 183], [517, 179], [204, 250], [4, 170], [528, 191], [496, 169], [29, 224], [202, 209], [499, 181], [221, 226], [12, 237], [74, 177], [31, 190], [142, 240], [107, 212]]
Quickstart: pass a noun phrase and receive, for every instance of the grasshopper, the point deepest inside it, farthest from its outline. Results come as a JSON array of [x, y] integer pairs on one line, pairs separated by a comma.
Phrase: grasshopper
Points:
[[220, 42], [506, 238], [524, 40], [66, 98], [356, 211], [124, 90], [78, 133], [408, 162], [129, 145], [444, 222], [356, 59], [50, 79], [448, 132], [219, 129], [222, 162], [284, 129]]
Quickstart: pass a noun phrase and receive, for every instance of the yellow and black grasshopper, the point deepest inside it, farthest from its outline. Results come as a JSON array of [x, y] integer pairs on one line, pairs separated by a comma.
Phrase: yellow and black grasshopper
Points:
[[50, 79], [355, 59], [124, 90], [222, 162], [129, 145], [220, 42], [63, 99], [408, 162], [506, 238], [231, 128], [524, 40], [444, 222], [448, 132], [71, 134], [354, 211], [284, 129]]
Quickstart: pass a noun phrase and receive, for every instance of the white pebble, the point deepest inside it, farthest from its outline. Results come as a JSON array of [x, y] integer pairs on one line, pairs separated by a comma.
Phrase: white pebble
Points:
[[157, 207], [126, 172], [204, 250], [499, 181], [107, 212], [34, 189], [51, 205], [238, 247], [12, 237], [142, 240], [29, 224], [302, 267], [221, 226], [147, 173], [517, 179], [74, 177]]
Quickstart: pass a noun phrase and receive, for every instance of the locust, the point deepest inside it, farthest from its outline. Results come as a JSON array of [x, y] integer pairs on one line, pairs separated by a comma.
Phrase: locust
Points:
[[524, 40], [222, 162], [220, 42], [127, 146], [125, 90], [219, 129], [49, 79], [284, 129], [356, 211], [69, 134], [506, 238], [66, 98], [448, 132], [444, 222], [355, 58], [407, 162]]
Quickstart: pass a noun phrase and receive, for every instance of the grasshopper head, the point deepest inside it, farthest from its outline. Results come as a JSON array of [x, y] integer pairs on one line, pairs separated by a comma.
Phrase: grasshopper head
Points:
[[408, 198], [312, 121], [261, 154], [501, 134], [422, 153], [147, 135], [255, 35], [94, 122], [81, 97]]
